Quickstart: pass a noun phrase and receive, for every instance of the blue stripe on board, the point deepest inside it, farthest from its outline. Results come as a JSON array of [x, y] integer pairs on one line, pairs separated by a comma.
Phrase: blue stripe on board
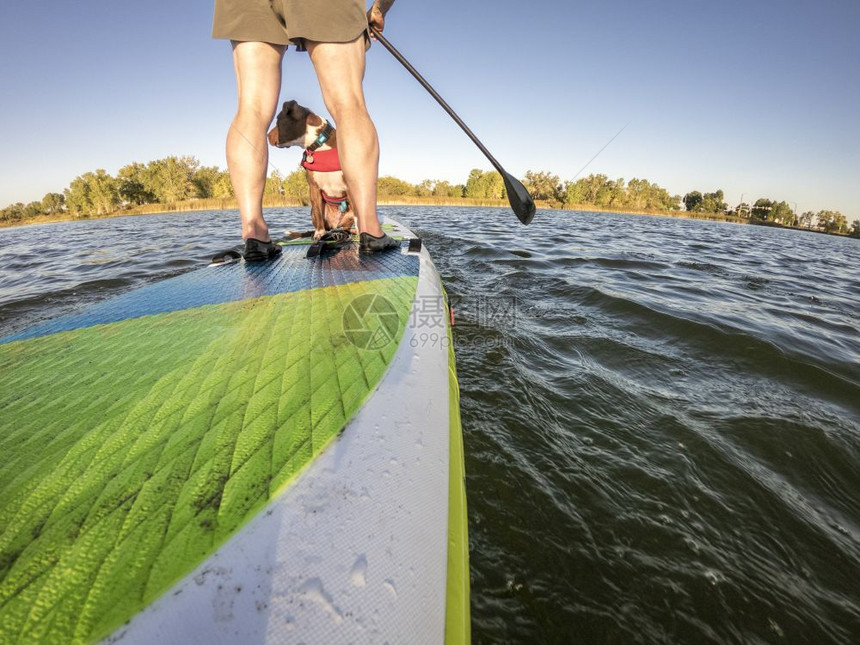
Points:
[[228, 283]]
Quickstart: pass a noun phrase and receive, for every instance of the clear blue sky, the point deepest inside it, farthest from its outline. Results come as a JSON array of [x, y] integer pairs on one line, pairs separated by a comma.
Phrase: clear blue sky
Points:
[[757, 97]]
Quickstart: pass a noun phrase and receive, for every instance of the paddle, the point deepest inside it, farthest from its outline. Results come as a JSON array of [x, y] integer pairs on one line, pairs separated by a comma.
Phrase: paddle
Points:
[[521, 202]]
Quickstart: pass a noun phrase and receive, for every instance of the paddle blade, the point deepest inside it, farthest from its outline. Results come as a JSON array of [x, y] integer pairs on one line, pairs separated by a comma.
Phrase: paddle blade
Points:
[[521, 202]]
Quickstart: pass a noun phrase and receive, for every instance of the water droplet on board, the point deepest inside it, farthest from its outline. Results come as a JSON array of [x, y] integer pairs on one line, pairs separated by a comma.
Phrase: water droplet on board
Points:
[[389, 584], [313, 590], [358, 575]]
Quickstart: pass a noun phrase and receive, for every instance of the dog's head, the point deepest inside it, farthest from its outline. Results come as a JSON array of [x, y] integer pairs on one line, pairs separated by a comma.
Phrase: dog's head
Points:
[[291, 125]]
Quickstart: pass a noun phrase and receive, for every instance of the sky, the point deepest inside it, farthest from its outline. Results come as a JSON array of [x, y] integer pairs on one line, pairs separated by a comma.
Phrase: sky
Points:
[[759, 98]]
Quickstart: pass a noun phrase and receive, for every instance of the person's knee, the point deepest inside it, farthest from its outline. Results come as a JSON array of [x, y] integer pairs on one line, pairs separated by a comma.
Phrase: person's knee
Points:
[[347, 107], [254, 116]]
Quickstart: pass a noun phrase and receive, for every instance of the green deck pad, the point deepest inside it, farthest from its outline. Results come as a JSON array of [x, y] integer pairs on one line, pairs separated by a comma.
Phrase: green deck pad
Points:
[[132, 450]]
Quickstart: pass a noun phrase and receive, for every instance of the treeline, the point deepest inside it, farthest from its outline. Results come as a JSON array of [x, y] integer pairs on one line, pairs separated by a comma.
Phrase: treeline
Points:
[[594, 190], [177, 179], [98, 193], [771, 211]]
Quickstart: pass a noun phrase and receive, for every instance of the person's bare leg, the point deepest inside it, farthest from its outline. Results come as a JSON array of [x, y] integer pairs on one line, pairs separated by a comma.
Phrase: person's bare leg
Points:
[[340, 70], [258, 81]]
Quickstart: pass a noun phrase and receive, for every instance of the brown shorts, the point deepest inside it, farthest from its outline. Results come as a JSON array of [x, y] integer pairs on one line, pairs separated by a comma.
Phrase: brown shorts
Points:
[[289, 22]]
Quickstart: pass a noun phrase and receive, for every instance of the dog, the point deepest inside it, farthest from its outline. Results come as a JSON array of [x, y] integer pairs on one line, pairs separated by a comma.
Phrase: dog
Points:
[[331, 206]]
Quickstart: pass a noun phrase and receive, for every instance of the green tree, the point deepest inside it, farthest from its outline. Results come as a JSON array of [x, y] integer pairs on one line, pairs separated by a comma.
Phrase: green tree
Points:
[[806, 219], [495, 185], [93, 193], [132, 184], [762, 207], [205, 180], [618, 193], [574, 193], [78, 198], [696, 202], [657, 198], [855, 228], [222, 187], [171, 179], [781, 213], [13, 212], [52, 203], [484, 185], [713, 203], [542, 185], [33, 209], [437, 188], [473, 183], [393, 187], [607, 192], [599, 190], [595, 185], [445, 189], [296, 186], [832, 221], [104, 192], [639, 193], [693, 200], [274, 184], [424, 188]]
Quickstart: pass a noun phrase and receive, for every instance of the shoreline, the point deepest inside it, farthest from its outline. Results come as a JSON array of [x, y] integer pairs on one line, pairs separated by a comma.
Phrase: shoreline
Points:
[[285, 202]]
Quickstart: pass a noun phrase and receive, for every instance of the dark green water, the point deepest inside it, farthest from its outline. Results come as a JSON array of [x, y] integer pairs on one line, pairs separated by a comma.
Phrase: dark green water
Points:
[[661, 417]]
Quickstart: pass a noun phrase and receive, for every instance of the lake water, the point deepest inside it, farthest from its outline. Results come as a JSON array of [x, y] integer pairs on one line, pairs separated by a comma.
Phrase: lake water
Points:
[[661, 416]]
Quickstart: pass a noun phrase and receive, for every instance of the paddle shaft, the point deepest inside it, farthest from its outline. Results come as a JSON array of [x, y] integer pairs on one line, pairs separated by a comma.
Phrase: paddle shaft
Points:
[[438, 98]]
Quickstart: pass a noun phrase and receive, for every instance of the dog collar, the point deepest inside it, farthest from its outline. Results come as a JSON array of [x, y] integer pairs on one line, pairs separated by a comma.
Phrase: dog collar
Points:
[[342, 203], [322, 137]]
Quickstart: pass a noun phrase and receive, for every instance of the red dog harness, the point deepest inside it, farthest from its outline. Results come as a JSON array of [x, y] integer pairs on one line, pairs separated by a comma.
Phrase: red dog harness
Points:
[[325, 161], [321, 160]]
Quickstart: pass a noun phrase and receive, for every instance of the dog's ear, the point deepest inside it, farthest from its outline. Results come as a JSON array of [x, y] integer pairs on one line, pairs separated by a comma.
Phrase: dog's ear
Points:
[[298, 112], [291, 122]]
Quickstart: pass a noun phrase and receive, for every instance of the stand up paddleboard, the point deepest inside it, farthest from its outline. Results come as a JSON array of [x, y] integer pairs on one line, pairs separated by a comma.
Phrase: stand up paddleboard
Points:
[[244, 453]]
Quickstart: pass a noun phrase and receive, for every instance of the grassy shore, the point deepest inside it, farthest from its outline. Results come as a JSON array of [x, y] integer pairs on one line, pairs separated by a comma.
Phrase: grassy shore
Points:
[[230, 204], [284, 202]]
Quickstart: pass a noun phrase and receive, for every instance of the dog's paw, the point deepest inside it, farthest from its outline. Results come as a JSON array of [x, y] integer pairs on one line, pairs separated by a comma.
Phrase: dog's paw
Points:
[[318, 233]]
